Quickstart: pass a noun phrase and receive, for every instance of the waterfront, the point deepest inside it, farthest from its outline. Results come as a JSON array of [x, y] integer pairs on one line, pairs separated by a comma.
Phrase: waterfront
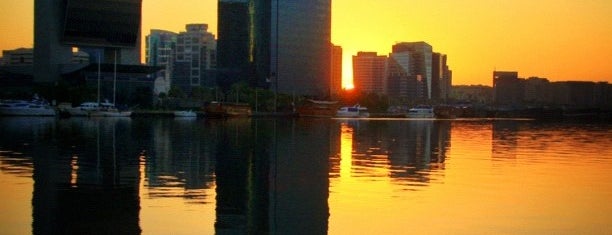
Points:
[[304, 176]]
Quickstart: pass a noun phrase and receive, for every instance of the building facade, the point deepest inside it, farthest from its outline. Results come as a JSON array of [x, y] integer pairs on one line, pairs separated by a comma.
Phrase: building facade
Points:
[[59, 25], [336, 71], [401, 84], [507, 88], [233, 31], [195, 61], [441, 82], [421, 65], [19, 56], [160, 51], [281, 45], [369, 73], [301, 46]]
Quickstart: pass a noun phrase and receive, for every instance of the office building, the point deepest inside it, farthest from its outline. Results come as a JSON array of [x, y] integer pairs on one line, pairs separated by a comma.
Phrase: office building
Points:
[[336, 71], [441, 82], [421, 63], [507, 88], [60, 25], [233, 42], [159, 51], [401, 84], [281, 45], [195, 60], [19, 56], [369, 73]]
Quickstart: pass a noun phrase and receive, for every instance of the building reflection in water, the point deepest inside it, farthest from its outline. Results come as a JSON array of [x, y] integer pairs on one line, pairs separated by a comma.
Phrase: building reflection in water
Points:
[[262, 175], [406, 151], [84, 182], [272, 177]]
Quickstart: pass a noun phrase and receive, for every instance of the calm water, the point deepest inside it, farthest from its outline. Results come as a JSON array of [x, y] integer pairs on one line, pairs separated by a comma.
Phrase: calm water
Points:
[[304, 176]]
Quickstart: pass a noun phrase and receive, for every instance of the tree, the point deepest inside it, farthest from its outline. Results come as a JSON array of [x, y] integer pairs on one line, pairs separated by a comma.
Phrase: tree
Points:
[[176, 92]]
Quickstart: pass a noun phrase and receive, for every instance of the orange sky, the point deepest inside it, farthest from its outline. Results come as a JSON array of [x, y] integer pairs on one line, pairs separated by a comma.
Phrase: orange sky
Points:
[[560, 40]]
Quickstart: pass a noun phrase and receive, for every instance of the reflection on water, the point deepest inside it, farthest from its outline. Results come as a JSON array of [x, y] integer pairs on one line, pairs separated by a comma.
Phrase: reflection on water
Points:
[[303, 176]]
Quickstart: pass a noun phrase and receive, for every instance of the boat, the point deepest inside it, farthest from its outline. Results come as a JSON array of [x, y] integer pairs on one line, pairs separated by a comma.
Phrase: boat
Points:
[[107, 109], [353, 111], [83, 110], [421, 111], [227, 109], [317, 108], [185, 114], [34, 107]]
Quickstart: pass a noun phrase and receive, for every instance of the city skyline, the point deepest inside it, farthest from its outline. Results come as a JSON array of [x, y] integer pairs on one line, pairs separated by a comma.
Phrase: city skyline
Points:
[[561, 41]]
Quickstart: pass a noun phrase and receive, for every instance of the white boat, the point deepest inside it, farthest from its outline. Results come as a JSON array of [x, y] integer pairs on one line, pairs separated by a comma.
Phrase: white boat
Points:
[[185, 114], [421, 112], [352, 111], [34, 107], [107, 109], [83, 110]]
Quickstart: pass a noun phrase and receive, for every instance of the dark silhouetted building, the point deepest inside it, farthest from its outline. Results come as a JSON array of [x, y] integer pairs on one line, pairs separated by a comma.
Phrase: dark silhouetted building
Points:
[[60, 25], [336, 71], [507, 88], [233, 41], [441, 82], [281, 45]]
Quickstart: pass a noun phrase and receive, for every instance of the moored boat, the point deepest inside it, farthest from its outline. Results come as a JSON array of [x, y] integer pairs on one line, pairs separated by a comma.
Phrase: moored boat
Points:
[[34, 107], [317, 108], [352, 111], [421, 111], [227, 109], [185, 114], [83, 110], [107, 109]]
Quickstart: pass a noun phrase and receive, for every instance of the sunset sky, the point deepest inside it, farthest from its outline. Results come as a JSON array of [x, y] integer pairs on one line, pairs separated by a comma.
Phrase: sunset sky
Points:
[[560, 40]]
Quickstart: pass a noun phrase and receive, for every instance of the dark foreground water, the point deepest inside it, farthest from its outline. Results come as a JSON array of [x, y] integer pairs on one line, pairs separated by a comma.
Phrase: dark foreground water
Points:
[[304, 176]]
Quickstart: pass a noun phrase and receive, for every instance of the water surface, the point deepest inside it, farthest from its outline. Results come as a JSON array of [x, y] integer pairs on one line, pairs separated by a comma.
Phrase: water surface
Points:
[[304, 176]]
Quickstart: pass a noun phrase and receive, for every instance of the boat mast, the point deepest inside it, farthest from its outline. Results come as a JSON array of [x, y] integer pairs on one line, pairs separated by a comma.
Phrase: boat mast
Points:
[[98, 78], [115, 78]]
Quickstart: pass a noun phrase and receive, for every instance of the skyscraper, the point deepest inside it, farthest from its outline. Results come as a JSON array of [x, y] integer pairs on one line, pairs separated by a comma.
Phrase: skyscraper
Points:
[[441, 77], [336, 71], [421, 63], [301, 45], [400, 82], [283, 45], [233, 32], [369, 73]]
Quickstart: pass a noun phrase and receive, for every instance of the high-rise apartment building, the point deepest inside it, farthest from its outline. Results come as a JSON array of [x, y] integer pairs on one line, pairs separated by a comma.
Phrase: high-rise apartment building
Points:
[[420, 65], [195, 60], [369, 73], [280, 44], [336, 71]]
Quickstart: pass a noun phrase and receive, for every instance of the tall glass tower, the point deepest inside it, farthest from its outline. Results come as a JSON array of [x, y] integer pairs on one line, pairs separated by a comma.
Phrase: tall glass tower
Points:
[[284, 45]]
